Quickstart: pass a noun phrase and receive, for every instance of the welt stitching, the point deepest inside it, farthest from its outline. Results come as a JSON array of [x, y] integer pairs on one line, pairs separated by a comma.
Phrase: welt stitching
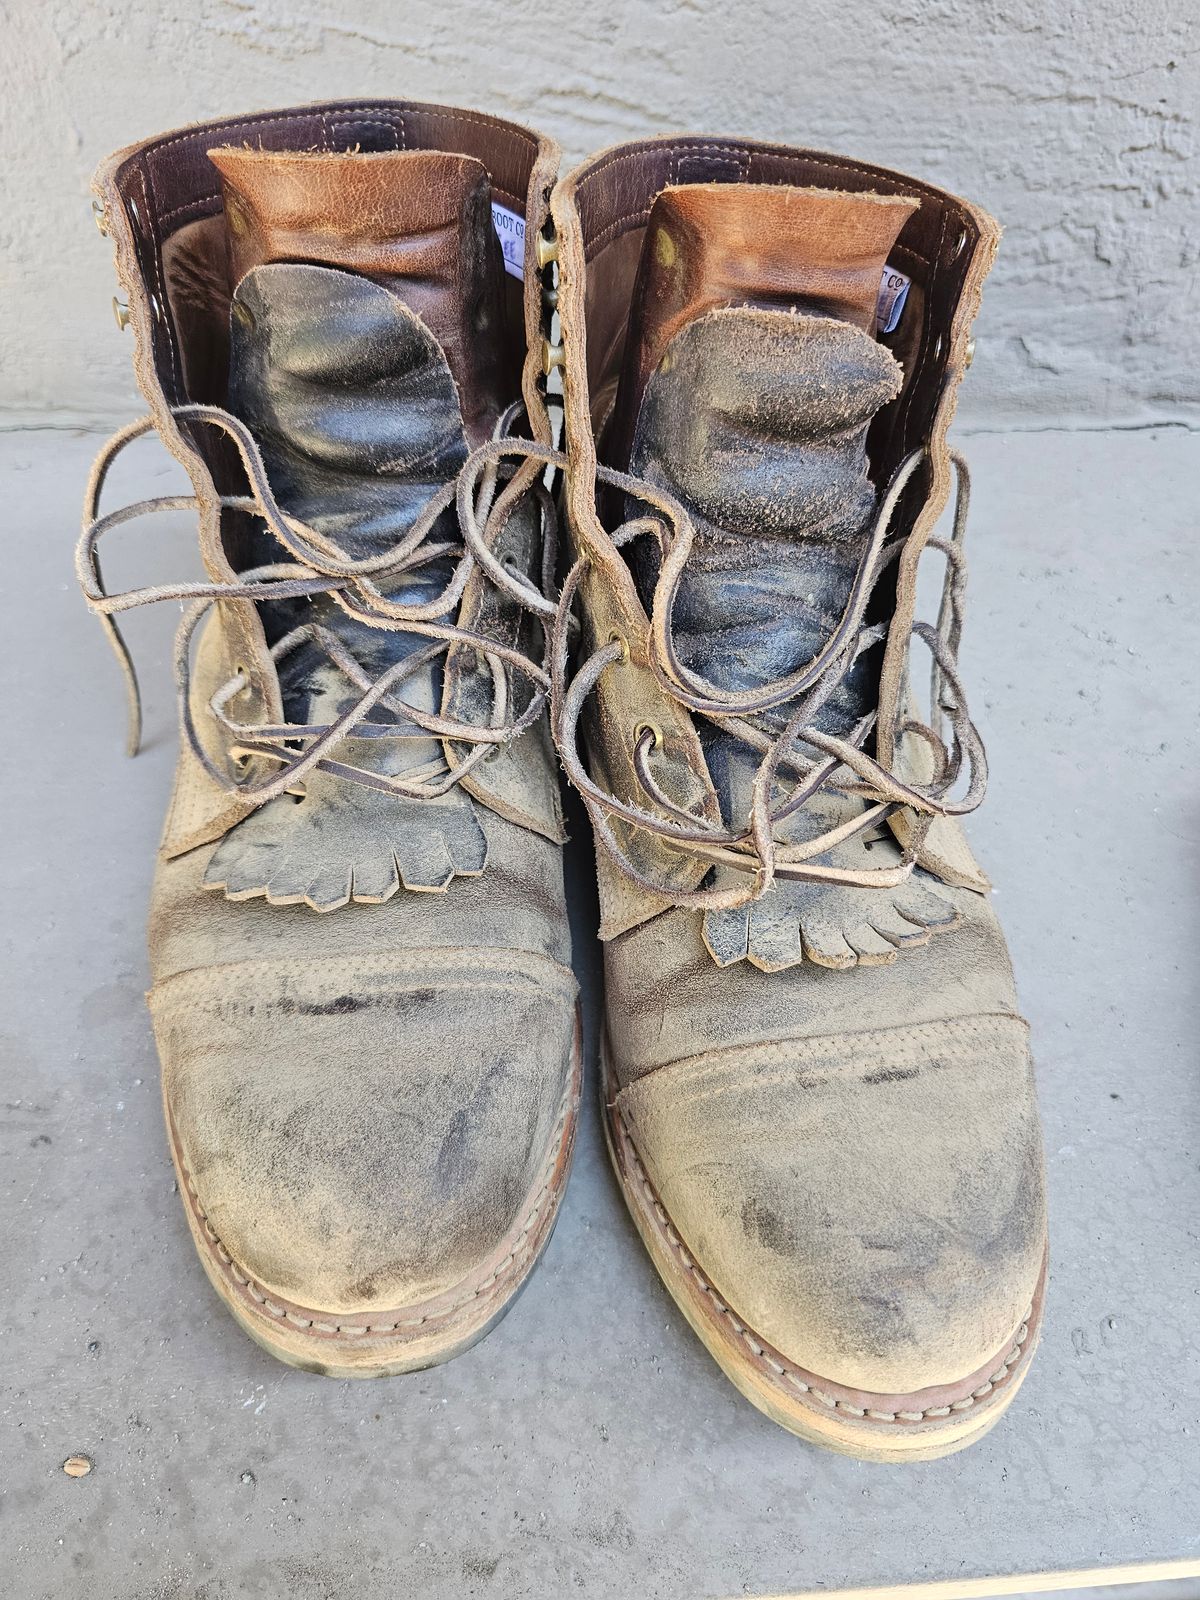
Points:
[[523, 987], [914, 191], [485, 1289], [913, 255], [195, 134], [480, 122], [213, 1002], [783, 1370], [620, 157], [718, 153], [967, 1029], [188, 979], [190, 205]]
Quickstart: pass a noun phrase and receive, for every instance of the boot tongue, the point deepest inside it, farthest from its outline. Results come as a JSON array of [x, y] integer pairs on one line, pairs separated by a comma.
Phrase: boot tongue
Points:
[[359, 332], [751, 378], [766, 245], [364, 358], [416, 221]]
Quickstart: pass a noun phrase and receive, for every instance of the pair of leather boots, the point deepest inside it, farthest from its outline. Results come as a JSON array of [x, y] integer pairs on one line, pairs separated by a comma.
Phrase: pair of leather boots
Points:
[[397, 360]]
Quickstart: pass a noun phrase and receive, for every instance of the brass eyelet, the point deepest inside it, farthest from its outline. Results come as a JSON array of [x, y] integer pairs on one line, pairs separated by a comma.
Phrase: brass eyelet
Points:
[[552, 356], [618, 638], [546, 251], [120, 313], [100, 217], [970, 355], [653, 730]]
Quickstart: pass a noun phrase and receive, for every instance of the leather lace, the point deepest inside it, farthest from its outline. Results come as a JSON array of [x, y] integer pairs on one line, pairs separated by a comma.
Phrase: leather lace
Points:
[[800, 759], [795, 764], [494, 478]]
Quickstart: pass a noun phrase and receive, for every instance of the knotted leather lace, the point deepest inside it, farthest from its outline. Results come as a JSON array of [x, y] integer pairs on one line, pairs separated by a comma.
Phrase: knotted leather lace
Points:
[[484, 493], [798, 760], [795, 763]]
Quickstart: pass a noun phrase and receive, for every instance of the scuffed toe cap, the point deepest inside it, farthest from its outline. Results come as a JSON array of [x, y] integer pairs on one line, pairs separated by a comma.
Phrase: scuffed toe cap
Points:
[[365, 1133], [869, 1204]]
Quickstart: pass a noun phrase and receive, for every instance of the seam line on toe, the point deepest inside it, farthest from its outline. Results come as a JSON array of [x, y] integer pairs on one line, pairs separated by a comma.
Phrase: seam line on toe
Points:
[[708, 1071]]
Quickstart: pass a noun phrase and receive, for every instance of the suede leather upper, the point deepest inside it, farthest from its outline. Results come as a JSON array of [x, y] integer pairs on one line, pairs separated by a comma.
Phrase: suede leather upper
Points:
[[854, 1157], [828, 1088], [364, 1129], [367, 1093]]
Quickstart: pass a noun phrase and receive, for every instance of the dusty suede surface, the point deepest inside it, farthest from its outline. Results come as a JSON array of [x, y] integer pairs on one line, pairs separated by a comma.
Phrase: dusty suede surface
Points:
[[854, 1157], [364, 1130], [364, 1095], [365, 1098], [830, 1090]]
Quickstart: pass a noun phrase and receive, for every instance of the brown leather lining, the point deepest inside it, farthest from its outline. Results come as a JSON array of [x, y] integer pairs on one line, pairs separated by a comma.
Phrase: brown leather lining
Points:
[[169, 183], [709, 245], [615, 195]]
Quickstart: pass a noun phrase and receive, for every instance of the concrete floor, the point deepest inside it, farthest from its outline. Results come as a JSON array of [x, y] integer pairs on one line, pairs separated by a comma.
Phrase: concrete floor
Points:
[[589, 1445]]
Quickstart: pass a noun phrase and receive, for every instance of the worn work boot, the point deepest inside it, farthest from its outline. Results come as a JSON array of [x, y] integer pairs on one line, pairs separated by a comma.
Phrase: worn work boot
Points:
[[361, 991], [818, 1086]]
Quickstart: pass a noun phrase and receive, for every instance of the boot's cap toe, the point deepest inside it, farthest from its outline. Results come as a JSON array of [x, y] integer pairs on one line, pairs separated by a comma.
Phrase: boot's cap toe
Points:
[[366, 1133], [870, 1205]]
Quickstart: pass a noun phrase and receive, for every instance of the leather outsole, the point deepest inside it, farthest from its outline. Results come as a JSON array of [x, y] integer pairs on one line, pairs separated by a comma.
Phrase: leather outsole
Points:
[[386, 1342], [921, 1426]]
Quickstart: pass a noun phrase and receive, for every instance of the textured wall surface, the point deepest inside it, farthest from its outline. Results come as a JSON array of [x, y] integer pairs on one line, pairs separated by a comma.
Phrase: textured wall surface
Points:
[[1074, 123]]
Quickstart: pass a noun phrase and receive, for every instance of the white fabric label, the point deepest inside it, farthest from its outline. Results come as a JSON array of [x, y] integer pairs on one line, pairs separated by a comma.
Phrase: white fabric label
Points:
[[893, 292], [510, 230]]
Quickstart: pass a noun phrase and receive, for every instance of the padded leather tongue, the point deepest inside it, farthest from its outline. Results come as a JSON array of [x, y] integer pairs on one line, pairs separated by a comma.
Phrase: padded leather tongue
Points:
[[751, 380], [766, 245], [417, 221]]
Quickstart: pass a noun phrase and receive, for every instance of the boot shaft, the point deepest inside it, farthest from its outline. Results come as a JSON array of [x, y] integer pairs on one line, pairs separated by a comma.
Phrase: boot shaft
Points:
[[819, 243], [180, 254], [345, 255]]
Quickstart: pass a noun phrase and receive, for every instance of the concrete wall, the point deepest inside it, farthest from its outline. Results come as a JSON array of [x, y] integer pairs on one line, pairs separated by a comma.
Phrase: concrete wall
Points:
[[1073, 122]]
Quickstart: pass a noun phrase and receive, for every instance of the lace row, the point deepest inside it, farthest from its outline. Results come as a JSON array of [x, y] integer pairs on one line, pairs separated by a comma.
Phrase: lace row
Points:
[[795, 763]]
